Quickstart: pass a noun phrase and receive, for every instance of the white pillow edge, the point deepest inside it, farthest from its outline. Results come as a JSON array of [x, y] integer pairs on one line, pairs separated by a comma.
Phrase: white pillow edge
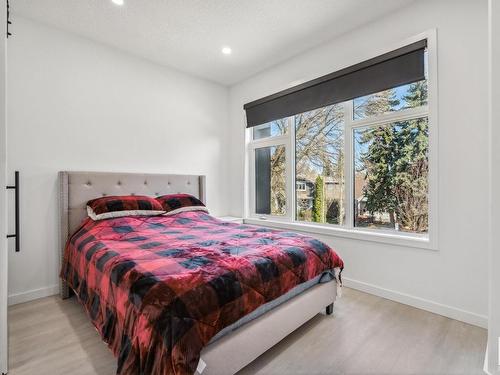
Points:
[[116, 214], [186, 209]]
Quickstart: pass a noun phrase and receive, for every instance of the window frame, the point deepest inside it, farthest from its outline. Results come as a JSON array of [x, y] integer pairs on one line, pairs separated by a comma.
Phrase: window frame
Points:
[[281, 140], [348, 230]]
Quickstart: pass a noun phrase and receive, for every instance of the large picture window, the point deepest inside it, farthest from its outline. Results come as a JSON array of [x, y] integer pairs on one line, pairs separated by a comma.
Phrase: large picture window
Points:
[[360, 164]]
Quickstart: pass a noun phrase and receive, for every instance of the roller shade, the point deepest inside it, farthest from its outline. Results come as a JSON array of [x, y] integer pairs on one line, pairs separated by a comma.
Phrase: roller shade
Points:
[[402, 66]]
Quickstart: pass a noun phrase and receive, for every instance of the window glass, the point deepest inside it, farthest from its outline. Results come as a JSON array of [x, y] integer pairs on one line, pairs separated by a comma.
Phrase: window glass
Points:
[[270, 129], [392, 100], [270, 180], [391, 176], [319, 160]]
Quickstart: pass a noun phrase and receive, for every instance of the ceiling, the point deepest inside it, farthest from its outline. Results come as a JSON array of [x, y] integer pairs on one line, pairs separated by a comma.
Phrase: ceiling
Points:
[[188, 34]]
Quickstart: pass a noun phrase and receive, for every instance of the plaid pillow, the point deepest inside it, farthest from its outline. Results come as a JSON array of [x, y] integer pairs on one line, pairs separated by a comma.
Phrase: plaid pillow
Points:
[[175, 203], [119, 206]]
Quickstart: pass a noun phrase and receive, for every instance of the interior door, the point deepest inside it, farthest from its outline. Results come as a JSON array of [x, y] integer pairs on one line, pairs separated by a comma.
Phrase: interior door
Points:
[[3, 183]]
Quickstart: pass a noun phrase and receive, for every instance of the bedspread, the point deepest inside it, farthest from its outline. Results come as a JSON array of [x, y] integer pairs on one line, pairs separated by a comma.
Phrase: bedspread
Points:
[[159, 288]]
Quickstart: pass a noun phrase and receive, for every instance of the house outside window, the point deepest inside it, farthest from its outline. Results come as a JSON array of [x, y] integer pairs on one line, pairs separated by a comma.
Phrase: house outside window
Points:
[[301, 186]]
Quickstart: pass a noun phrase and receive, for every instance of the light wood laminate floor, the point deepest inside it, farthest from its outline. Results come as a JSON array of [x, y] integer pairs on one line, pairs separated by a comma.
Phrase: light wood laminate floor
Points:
[[365, 335]]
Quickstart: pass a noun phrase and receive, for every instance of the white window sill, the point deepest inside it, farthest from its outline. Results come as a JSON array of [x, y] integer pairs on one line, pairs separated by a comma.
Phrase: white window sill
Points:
[[399, 239]]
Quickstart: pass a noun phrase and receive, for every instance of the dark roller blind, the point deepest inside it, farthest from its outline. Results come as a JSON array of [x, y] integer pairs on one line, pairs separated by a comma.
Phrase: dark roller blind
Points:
[[402, 66]]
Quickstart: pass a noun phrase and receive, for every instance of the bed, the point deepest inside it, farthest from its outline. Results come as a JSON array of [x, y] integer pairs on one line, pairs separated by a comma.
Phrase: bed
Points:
[[212, 326]]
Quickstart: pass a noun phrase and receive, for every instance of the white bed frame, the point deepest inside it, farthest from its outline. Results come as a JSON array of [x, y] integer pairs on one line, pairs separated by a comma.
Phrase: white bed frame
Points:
[[238, 348]]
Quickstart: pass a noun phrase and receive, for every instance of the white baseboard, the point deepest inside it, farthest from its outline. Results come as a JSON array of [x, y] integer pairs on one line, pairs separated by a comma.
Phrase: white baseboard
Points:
[[485, 366], [421, 303], [31, 295], [424, 304]]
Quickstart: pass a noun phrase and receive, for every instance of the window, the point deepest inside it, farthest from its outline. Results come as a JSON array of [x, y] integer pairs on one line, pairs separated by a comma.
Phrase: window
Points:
[[271, 129], [391, 176], [361, 164], [319, 155], [392, 100]]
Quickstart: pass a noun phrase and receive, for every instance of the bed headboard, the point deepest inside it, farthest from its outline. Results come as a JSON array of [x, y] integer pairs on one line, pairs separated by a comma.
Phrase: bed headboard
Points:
[[77, 188]]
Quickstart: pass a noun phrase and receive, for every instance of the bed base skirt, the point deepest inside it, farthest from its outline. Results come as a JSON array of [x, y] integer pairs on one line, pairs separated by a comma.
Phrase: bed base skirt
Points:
[[64, 290], [234, 351]]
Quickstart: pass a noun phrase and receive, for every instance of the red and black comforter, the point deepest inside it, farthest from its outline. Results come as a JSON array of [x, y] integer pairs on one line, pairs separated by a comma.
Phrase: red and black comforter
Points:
[[159, 288]]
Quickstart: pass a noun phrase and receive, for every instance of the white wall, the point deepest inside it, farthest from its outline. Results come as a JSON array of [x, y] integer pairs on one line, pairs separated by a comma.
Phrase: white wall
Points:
[[493, 364], [453, 280], [78, 105]]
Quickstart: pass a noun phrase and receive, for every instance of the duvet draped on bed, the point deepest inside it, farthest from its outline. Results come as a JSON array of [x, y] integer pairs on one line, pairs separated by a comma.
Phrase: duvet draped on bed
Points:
[[159, 288]]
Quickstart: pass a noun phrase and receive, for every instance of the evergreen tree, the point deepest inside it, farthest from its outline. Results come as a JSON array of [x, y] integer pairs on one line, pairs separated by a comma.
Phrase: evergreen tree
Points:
[[379, 159], [319, 202], [381, 102], [411, 178], [417, 95], [396, 162], [379, 163]]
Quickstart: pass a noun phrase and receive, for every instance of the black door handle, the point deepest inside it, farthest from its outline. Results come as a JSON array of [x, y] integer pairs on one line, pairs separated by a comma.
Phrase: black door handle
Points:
[[15, 187]]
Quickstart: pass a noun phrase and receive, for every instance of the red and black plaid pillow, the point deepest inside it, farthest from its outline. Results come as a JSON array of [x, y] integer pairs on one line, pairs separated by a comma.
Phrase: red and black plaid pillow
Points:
[[175, 203], [119, 206]]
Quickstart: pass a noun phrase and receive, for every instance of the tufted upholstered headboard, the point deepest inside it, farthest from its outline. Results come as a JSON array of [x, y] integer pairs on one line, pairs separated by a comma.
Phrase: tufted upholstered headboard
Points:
[[77, 188]]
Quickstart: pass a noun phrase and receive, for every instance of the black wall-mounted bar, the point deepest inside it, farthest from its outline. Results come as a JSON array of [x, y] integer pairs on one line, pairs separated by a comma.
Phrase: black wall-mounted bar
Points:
[[8, 19], [15, 187]]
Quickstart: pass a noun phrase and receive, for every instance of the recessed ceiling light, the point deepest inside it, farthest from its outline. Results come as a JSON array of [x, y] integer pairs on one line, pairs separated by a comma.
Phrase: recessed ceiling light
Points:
[[227, 50], [118, 2]]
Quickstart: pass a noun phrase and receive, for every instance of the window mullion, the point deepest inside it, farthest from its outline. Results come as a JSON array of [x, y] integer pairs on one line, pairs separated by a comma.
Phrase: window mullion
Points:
[[387, 118], [271, 141], [348, 165], [251, 190], [293, 169]]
